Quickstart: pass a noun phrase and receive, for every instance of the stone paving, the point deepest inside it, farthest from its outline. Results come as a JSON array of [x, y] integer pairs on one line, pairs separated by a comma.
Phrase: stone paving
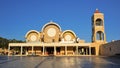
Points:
[[59, 62]]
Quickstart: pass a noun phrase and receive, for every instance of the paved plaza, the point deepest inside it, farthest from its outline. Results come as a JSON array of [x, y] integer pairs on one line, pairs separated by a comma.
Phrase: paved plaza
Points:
[[59, 62]]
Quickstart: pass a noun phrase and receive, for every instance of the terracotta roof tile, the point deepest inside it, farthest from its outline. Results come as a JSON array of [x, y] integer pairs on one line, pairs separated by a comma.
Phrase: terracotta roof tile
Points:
[[97, 11]]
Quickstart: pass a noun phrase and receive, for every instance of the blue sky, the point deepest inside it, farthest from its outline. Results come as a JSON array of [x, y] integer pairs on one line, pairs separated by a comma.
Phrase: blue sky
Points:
[[17, 17]]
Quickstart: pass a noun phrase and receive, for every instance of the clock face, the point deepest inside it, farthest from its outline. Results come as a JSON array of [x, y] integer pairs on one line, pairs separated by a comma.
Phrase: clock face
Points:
[[68, 37], [51, 32], [33, 38]]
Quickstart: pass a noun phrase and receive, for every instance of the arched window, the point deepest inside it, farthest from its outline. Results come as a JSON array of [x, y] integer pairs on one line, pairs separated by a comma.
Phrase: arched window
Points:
[[99, 22], [100, 35]]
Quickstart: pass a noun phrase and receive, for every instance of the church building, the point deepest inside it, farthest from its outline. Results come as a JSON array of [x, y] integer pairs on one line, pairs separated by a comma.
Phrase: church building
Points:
[[52, 40]]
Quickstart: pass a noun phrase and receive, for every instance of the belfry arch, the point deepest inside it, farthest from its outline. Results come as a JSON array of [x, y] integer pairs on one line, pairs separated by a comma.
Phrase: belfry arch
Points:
[[99, 35], [99, 22]]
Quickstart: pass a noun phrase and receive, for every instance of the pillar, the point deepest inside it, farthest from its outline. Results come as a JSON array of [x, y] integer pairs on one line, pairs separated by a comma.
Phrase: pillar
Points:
[[8, 50], [21, 50], [89, 50], [65, 50], [43, 51], [32, 49], [54, 50], [97, 50], [76, 50]]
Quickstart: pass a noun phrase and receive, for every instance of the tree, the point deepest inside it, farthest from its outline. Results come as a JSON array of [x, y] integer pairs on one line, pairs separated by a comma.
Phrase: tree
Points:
[[4, 42]]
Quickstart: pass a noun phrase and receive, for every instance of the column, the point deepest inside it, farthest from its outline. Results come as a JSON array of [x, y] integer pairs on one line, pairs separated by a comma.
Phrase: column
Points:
[[21, 50], [8, 50], [43, 50], [54, 50], [76, 50], [32, 49], [97, 50], [89, 50], [65, 50]]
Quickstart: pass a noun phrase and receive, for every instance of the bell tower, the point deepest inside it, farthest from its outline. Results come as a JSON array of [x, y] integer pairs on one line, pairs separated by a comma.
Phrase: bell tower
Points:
[[98, 30]]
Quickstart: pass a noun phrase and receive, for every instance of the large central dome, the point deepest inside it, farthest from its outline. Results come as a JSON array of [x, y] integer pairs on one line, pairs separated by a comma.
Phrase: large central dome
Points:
[[51, 23]]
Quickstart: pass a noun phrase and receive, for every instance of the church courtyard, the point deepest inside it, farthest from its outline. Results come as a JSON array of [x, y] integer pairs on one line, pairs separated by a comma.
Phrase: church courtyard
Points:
[[59, 62]]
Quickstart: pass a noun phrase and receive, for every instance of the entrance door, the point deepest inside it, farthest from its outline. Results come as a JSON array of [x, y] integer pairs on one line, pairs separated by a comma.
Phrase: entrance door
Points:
[[50, 50]]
